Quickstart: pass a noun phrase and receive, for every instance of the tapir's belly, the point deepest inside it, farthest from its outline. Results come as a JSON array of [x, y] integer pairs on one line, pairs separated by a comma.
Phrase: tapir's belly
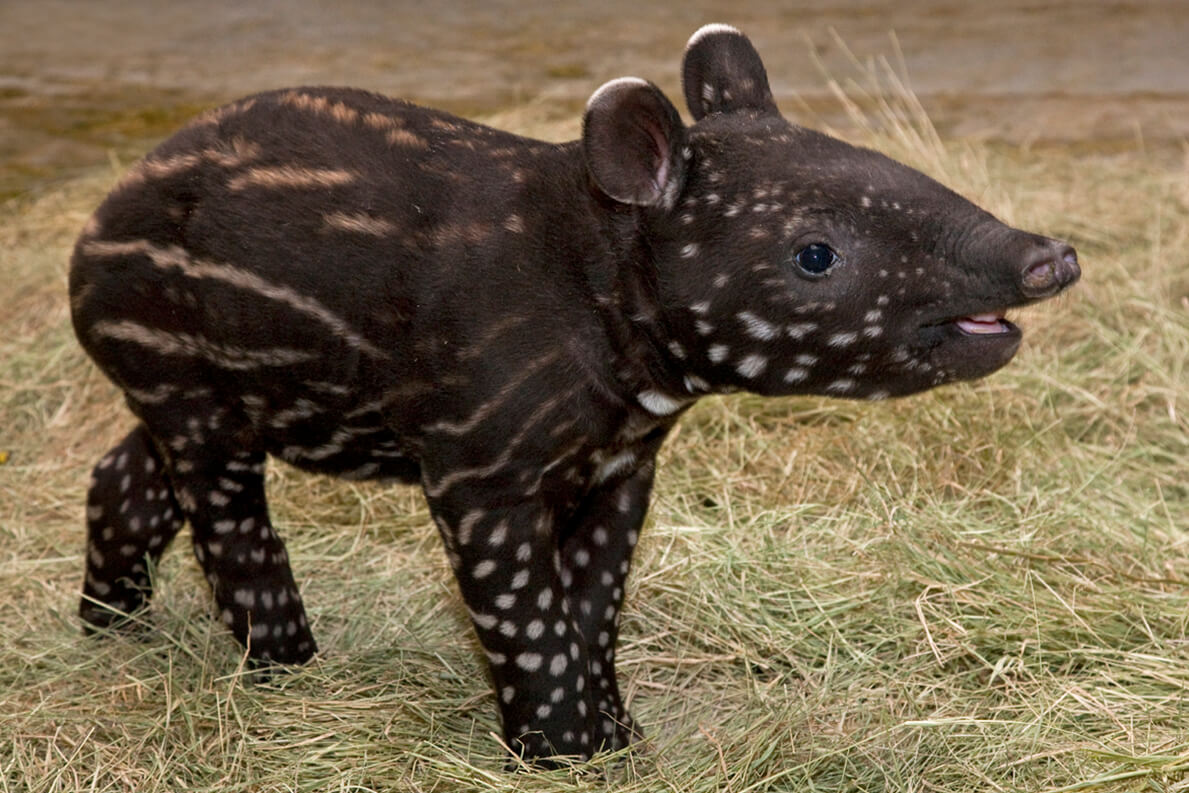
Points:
[[343, 447]]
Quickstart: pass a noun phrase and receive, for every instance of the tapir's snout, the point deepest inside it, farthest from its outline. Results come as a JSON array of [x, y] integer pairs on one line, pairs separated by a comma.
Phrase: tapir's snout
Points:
[[1048, 269]]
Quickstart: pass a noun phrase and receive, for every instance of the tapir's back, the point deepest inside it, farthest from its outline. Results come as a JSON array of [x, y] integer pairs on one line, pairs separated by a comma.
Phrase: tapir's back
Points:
[[352, 214]]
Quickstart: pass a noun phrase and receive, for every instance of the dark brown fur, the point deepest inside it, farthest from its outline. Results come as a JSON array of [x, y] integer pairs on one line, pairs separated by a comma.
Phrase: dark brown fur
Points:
[[367, 288]]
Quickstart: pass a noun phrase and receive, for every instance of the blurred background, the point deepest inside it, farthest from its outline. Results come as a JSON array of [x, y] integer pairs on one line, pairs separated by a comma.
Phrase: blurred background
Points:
[[81, 82]]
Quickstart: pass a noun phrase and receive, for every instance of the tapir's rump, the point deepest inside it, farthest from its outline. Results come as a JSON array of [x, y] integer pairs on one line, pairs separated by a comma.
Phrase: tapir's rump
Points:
[[364, 287]]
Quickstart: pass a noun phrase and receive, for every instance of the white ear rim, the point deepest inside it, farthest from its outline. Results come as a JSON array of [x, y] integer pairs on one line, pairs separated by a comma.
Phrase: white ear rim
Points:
[[713, 29], [611, 85]]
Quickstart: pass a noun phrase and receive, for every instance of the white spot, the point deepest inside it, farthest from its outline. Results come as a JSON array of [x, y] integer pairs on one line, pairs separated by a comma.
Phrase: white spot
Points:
[[514, 223], [796, 375], [505, 601], [529, 662], [657, 403], [876, 396], [703, 327], [843, 339], [520, 580], [498, 534], [507, 693], [695, 384], [677, 350], [757, 327], [872, 331], [689, 251], [873, 316], [582, 557], [617, 464], [717, 353], [535, 629], [599, 536], [700, 308], [545, 599], [485, 621], [752, 366], [865, 201], [484, 569], [558, 665], [801, 329], [841, 386]]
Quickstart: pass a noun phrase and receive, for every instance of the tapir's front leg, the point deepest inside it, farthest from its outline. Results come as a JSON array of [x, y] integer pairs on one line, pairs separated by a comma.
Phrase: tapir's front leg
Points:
[[506, 559], [596, 557]]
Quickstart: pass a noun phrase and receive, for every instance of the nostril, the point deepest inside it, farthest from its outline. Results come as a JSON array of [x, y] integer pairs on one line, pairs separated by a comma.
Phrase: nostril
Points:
[[1051, 269], [1040, 278]]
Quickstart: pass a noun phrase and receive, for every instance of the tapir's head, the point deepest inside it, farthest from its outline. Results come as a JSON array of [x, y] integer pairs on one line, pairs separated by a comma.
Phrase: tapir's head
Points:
[[790, 262]]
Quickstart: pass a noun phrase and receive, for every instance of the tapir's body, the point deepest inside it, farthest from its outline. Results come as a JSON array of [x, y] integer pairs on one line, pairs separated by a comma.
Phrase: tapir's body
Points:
[[367, 288]]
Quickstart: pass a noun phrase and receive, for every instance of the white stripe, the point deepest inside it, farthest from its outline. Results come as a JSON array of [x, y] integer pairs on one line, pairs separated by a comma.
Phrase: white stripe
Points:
[[183, 344], [175, 257]]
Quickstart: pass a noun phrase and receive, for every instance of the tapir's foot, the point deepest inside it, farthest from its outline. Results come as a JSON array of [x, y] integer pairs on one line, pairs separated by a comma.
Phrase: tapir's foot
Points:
[[124, 618], [535, 750]]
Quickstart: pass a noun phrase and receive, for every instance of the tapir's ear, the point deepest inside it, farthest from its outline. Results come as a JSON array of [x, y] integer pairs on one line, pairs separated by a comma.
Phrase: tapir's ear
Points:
[[633, 139], [723, 73]]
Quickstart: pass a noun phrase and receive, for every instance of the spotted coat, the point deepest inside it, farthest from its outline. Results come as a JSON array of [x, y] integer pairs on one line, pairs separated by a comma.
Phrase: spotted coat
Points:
[[363, 287]]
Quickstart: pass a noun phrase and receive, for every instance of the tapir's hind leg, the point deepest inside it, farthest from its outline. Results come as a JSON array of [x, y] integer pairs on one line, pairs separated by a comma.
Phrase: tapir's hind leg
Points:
[[132, 515], [138, 501], [244, 560]]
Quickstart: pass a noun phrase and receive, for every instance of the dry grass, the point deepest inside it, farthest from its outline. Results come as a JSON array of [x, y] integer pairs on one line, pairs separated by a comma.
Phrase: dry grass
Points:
[[982, 588]]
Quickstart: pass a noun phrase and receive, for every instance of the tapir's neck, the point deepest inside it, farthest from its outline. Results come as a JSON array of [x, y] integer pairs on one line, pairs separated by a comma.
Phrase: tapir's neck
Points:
[[604, 246]]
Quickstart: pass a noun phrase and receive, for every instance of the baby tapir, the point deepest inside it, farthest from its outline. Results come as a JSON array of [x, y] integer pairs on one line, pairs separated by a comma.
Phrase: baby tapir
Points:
[[363, 287]]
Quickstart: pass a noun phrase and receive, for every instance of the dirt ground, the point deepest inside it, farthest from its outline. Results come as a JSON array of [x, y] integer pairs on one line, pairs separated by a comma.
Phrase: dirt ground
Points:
[[81, 82]]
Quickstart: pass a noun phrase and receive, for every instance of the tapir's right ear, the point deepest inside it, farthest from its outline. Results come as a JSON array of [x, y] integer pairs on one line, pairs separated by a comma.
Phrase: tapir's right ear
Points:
[[633, 138], [722, 73]]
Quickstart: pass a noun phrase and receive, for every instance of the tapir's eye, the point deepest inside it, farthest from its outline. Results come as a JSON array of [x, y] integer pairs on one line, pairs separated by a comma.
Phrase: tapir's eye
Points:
[[816, 258]]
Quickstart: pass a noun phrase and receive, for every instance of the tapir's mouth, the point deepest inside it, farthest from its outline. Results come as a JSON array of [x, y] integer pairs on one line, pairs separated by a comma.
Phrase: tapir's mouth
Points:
[[986, 324], [982, 324], [972, 345]]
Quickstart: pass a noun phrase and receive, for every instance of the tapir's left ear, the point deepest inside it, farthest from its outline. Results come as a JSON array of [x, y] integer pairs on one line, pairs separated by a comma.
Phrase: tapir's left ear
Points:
[[723, 73], [633, 139]]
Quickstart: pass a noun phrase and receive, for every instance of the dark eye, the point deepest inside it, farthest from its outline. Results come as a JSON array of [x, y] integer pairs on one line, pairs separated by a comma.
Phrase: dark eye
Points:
[[816, 258]]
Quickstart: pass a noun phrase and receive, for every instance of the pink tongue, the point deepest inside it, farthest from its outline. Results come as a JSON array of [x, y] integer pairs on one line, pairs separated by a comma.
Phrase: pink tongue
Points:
[[982, 323]]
